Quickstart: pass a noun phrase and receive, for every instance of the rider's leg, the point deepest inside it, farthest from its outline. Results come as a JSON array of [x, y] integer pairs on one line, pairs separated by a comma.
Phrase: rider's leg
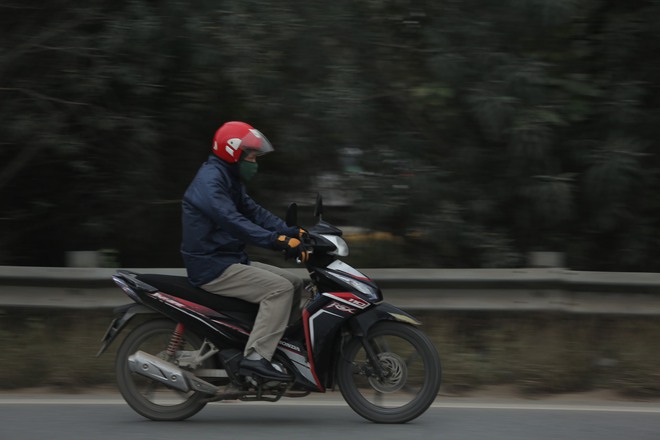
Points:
[[272, 292]]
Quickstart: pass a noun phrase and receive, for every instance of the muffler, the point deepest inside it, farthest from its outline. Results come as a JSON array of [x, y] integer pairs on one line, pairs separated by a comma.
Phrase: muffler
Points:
[[167, 373]]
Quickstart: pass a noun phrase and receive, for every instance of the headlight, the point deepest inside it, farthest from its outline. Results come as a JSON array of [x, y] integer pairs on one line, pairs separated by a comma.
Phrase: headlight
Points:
[[357, 285]]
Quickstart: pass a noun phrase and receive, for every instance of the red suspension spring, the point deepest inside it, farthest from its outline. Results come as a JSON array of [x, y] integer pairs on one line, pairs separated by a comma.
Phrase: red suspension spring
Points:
[[176, 340]]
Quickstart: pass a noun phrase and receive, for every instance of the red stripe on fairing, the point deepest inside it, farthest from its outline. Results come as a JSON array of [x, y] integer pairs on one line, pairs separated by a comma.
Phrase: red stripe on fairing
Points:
[[357, 277], [310, 354], [348, 298], [179, 302], [233, 327], [344, 295], [197, 308]]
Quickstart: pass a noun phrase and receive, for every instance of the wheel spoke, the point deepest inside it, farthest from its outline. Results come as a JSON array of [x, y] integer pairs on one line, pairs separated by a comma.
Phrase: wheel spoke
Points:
[[412, 358], [378, 398], [410, 389], [382, 344], [149, 390]]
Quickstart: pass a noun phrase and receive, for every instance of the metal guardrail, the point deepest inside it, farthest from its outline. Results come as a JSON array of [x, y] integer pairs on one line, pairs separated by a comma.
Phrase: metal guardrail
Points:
[[517, 290]]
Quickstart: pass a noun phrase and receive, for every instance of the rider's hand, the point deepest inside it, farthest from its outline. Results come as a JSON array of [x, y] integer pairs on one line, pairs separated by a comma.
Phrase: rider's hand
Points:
[[296, 232], [292, 247]]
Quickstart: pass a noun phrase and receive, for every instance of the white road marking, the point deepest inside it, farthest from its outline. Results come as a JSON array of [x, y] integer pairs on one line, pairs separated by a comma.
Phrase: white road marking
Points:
[[551, 407], [517, 406]]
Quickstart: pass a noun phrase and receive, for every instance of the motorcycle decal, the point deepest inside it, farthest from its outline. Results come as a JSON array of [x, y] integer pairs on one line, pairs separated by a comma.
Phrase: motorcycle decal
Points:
[[181, 308], [314, 317], [299, 362], [310, 354], [289, 346], [194, 309], [340, 307], [183, 304], [348, 298], [233, 327], [357, 277]]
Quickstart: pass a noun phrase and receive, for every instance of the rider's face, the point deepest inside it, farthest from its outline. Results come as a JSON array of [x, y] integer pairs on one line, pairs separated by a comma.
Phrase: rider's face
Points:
[[250, 157]]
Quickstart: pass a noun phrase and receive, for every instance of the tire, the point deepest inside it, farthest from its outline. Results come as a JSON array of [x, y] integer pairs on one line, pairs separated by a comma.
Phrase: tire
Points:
[[148, 397], [412, 374]]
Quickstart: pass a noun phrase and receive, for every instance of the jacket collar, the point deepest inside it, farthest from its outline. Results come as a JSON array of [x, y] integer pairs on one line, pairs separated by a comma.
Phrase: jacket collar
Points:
[[231, 168]]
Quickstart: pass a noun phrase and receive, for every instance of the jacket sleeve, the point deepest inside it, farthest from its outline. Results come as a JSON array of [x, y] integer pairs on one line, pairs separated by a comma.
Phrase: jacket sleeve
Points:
[[265, 218], [211, 196]]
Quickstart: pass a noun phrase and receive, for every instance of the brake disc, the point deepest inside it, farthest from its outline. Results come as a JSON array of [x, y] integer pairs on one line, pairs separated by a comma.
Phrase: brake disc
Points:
[[395, 373]]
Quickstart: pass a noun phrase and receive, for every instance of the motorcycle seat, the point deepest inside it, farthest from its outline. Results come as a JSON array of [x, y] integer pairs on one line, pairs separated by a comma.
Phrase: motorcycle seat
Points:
[[180, 287]]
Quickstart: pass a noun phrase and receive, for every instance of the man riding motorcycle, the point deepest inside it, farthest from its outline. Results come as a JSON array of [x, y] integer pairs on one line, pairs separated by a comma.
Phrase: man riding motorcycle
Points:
[[218, 220]]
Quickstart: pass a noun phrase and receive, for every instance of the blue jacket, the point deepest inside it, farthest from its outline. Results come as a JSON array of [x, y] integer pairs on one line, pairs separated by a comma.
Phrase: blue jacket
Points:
[[219, 219]]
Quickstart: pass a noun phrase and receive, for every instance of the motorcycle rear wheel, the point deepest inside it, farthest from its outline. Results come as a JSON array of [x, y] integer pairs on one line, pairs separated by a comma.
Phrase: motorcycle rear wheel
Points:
[[411, 380], [148, 397]]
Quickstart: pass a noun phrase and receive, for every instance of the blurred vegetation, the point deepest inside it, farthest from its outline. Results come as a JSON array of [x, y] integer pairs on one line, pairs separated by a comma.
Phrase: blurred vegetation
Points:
[[485, 130], [532, 354], [546, 353]]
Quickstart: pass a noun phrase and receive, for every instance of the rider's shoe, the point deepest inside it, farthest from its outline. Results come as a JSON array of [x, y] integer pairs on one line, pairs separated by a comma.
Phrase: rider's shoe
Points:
[[261, 368]]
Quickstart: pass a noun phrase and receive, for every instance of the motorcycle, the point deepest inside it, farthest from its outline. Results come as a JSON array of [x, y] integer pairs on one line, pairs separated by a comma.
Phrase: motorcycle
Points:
[[186, 350]]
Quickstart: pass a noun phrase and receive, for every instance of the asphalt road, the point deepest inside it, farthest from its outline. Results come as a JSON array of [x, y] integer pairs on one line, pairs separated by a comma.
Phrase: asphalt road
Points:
[[107, 417]]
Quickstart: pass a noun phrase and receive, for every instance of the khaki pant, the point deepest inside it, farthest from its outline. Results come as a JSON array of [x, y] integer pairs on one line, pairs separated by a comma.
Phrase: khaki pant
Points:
[[278, 293]]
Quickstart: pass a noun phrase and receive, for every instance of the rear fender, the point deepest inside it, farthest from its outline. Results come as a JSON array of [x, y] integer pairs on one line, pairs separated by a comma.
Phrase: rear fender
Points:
[[124, 314]]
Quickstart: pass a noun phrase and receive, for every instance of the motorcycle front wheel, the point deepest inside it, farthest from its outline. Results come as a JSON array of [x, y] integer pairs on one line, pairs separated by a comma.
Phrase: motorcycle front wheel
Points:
[[410, 373], [148, 397]]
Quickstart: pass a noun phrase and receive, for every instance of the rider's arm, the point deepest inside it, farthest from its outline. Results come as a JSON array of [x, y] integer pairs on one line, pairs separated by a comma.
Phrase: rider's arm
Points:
[[211, 197], [266, 219]]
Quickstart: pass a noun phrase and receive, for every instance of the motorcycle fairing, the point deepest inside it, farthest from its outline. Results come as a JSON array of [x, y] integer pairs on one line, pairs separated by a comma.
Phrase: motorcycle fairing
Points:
[[323, 319], [342, 276], [201, 311], [180, 286]]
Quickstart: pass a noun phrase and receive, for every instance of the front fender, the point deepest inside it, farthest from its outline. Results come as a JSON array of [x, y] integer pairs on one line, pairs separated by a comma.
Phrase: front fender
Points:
[[382, 312], [124, 314]]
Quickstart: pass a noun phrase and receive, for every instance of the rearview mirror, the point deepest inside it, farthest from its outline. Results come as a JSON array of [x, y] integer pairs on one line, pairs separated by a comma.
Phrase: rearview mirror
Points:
[[318, 209], [292, 215]]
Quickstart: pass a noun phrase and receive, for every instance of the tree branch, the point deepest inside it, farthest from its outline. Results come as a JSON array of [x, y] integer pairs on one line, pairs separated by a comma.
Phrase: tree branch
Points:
[[17, 164], [38, 95]]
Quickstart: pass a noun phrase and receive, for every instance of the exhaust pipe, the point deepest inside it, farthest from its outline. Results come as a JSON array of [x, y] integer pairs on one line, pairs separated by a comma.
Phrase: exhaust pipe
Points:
[[167, 373]]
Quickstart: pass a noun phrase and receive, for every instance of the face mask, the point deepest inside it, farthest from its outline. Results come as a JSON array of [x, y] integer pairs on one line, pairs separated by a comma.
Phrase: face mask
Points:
[[247, 170]]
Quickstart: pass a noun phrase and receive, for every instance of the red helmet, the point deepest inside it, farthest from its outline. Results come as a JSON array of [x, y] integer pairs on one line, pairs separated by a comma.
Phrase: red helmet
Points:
[[235, 137]]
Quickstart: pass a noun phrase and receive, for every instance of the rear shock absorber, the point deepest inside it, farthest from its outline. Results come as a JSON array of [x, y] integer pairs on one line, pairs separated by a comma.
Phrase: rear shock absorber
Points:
[[176, 341]]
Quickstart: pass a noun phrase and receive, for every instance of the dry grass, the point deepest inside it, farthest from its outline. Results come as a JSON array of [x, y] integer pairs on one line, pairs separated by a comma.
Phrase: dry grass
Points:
[[535, 353], [544, 353], [53, 349]]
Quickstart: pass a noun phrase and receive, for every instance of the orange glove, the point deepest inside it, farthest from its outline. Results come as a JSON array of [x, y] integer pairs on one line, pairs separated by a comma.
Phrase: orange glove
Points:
[[292, 247]]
